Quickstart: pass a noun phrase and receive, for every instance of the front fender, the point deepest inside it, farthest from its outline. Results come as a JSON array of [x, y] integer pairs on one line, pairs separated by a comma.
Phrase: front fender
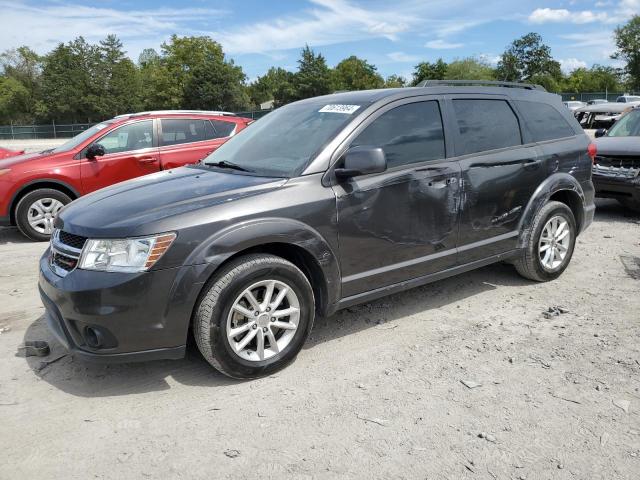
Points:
[[219, 247], [553, 184]]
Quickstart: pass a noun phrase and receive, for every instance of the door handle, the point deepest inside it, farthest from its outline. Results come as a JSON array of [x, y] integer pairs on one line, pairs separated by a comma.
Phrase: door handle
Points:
[[441, 183], [146, 159]]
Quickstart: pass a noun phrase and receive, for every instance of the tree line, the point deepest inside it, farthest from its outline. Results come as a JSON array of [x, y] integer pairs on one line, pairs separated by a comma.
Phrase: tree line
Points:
[[83, 82]]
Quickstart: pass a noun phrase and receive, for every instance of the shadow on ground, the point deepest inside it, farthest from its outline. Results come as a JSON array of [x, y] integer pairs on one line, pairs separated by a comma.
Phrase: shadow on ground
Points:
[[92, 380], [10, 235]]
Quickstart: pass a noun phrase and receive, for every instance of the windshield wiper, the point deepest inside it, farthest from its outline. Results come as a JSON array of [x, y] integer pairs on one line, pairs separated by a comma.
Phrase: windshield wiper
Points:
[[225, 164]]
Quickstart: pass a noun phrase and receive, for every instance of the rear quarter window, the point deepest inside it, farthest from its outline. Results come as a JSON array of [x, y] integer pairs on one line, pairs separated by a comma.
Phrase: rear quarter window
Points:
[[544, 121], [485, 125]]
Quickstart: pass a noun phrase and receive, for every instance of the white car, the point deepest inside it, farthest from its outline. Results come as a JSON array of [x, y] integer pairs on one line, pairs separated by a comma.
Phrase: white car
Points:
[[628, 99], [574, 105]]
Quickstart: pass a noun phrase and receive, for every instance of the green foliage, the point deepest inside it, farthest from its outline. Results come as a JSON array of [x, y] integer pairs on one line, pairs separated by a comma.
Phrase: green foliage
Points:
[[429, 71], [313, 77], [354, 73], [395, 81], [469, 69], [596, 79], [627, 40], [527, 57], [82, 82]]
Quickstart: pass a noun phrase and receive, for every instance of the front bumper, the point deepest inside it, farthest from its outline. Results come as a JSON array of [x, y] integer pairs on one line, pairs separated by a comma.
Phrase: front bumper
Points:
[[134, 317], [617, 187]]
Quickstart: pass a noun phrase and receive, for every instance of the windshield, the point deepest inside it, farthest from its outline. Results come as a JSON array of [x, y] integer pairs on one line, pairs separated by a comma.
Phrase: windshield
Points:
[[282, 143], [80, 138], [627, 126]]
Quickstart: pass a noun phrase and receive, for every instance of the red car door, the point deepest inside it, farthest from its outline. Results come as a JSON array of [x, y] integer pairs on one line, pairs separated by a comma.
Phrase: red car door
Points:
[[185, 141], [130, 151]]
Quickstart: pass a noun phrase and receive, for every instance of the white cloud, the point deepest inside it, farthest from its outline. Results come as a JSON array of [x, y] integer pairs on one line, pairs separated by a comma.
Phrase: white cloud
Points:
[[330, 22], [402, 57], [548, 15], [568, 65], [43, 26], [441, 44]]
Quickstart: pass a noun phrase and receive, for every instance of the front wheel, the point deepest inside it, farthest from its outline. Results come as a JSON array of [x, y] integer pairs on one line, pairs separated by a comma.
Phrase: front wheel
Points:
[[36, 212], [549, 243], [254, 316]]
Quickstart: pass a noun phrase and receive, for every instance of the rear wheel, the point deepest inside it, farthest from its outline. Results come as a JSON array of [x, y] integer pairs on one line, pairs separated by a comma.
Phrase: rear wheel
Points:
[[254, 316], [549, 243], [37, 210]]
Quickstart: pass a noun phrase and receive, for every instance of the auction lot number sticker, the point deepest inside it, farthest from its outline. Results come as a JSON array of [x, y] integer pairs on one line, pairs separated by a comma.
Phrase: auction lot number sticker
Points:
[[336, 108]]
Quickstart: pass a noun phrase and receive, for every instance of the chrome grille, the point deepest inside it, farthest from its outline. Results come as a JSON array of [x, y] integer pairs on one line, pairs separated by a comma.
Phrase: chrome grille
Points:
[[65, 254], [616, 166]]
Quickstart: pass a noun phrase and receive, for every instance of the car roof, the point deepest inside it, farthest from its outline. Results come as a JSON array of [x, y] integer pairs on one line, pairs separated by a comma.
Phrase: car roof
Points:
[[178, 113], [527, 91]]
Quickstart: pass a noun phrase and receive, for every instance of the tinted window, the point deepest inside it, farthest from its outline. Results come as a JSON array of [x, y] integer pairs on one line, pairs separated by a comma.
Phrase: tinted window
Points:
[[134, 136], [544, 121], [486, 125], [222, 128], [184, 130], [407, 134]]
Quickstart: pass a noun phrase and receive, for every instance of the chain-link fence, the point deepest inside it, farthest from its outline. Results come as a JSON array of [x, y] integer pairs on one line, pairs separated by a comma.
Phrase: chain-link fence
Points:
[[54, 130], [585, 97]]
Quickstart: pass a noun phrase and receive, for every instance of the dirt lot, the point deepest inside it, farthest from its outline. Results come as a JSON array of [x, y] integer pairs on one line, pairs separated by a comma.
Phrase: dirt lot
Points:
[[376, 393]]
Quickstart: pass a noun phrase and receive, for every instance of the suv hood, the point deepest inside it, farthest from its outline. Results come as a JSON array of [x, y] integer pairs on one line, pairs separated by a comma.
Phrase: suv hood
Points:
[[627, 146], [14, 160], [158, 202]]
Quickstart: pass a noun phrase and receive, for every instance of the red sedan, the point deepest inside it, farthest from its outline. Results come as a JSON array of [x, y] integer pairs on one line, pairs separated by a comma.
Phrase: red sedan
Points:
[[6, 153], [35, 186]]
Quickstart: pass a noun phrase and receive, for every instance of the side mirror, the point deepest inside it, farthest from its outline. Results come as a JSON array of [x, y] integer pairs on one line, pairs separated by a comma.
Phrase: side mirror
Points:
[[362, 161], [601, 132], [95, 150]]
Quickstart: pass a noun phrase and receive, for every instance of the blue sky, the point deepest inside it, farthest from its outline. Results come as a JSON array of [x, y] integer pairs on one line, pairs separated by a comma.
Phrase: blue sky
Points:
[[393, 35]]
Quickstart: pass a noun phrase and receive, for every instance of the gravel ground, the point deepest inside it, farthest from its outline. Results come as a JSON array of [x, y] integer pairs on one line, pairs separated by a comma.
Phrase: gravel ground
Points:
[[377, 392]]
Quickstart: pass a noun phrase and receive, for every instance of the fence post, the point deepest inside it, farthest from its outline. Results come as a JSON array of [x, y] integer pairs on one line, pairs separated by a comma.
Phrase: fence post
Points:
[[12, 135], [54, 129]]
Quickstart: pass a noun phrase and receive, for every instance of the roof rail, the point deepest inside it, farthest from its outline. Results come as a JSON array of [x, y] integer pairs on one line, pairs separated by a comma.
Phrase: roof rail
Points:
[[175, 112], [487, 83]]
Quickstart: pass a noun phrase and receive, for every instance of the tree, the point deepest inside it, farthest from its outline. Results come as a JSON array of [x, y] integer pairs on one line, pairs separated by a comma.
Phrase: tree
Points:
[[429, 71], [216, 84], [25, 67], [596, 79], [395, 81], [627, 39], [120, 86], [313, 77], [469, 69], [14, 100], [70, 82], [264, 88], [354, 73], [527, 57]]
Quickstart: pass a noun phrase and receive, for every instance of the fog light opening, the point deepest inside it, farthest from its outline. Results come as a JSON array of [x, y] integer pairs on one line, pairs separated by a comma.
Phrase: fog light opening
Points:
[[93, 337]]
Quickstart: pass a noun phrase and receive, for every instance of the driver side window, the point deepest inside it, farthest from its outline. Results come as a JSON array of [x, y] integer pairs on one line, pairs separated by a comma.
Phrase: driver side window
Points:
[[135, 136]]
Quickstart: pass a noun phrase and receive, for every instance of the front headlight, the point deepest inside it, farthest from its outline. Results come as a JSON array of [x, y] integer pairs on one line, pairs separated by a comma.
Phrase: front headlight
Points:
[[125, 255]]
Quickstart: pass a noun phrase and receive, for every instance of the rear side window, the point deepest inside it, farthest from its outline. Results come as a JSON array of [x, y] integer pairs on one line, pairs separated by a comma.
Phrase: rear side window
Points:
[[543, 121], [486, 125], [222, 128], [184, 130], [408, 134]]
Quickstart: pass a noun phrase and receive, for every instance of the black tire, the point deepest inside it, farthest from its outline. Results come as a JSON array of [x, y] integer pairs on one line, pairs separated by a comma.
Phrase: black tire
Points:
[[529, 265], [217, 298], [23, 206], [630, 204]]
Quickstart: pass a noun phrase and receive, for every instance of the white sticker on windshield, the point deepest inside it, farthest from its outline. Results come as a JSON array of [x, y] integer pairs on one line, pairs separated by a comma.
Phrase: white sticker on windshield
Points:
[[348, 109]]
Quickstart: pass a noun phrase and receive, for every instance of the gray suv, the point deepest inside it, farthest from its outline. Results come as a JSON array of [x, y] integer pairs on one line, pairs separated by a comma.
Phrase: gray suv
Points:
[[322, 204]]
